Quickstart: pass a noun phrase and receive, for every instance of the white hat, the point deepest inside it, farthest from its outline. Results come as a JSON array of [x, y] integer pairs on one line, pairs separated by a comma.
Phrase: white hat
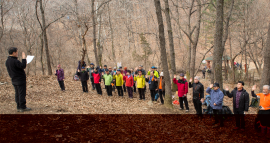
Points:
[[161, 74]]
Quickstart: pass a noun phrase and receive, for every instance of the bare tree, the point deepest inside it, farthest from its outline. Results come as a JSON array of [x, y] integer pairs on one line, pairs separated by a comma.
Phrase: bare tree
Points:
[[168, 98], [265, 79], [218, 48]]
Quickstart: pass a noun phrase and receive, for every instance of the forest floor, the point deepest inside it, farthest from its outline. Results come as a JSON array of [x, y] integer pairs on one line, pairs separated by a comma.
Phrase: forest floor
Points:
[[45, 97]]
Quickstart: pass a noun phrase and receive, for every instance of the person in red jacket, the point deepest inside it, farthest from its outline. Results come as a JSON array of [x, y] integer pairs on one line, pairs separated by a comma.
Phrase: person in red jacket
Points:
[[129, 83], [182, 85], [97, 80]]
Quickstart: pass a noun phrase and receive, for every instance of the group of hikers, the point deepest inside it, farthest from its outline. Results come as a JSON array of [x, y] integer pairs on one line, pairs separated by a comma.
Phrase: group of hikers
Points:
[[131, 79]]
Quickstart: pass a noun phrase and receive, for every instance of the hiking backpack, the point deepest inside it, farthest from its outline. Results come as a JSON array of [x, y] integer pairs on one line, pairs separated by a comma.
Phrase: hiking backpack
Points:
[[255, 102]]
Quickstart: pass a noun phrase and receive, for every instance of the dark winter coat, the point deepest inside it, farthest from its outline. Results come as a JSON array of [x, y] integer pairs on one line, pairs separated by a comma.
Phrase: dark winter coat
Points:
[[243, 101], [15, 70], [198, 90], [153, 84], [84, 75]]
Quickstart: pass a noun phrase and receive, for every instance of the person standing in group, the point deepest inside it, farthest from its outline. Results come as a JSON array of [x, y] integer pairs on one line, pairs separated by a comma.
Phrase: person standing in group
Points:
[[153, 69], [84, 79], [161, 88], [204, 71], [198, 95], [216, 102], [140, 68], [124, 74], [152, 81], [182, 86], [91, 70], [264, 112], [113, 82], [121, 70], [60, 77], [108, 80], [129, 83], [97, 80], [119, 82], [17, 74], [140, 79], [133, 75], [240, 104], [103, 71]]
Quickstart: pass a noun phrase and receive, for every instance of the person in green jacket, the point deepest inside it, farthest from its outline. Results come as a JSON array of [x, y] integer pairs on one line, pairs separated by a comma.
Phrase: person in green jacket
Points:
[[108, 80], [140, 80], [154, 70], [119, 82]]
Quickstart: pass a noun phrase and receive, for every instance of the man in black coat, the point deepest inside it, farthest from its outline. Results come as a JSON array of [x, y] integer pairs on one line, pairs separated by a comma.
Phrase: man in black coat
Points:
[[15, 70], [153, 84], [84, 78], [198, 95], [240, 104]]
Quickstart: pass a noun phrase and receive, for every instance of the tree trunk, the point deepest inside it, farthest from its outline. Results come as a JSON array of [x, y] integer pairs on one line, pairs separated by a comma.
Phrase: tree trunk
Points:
[[45, 39], [168, 98], [94, 32], [195, 41], [112, 38], [218, 49], [41, 53], [170, 34], [265, 78]]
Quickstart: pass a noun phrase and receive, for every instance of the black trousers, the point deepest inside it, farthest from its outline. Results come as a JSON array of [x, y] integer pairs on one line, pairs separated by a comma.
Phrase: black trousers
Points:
[[20, 93], [161, 94], [181, 99], [124, 87], [84, 86], [198, 106], [134, 87], [120, 90], [130, 92], [62, 85], [109, 89], [153, 93], [93, 84], [98, 88], [218, 116], [240, 119], [264, 117], [141, 92]]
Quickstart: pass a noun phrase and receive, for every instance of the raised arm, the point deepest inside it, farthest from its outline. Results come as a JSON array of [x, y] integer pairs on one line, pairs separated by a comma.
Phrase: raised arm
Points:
[[21, 65]]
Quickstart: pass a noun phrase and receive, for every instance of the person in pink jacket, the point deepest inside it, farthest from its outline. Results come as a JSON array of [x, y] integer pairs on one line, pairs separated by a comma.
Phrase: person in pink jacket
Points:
[[182, 86]]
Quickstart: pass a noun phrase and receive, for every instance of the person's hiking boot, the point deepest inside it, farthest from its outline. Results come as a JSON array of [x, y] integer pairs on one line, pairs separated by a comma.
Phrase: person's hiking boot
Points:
[[236, 128], [19, 110], [187, 110], [181, 108], [27, 109]]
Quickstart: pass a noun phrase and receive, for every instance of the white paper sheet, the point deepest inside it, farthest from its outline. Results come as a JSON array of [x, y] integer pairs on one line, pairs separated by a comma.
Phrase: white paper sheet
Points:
[[29, 59]]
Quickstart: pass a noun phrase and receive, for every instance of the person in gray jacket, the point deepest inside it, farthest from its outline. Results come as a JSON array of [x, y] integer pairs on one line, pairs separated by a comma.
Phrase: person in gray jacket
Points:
[[91, 69], [216, 102]]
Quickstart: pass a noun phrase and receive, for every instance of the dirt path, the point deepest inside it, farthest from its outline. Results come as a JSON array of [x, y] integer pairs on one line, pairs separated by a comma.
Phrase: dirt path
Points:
[[45, 97]]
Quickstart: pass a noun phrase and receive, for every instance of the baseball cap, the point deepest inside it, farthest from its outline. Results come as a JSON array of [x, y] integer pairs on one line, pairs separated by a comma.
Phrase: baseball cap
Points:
[[216, 85], [182, 75]]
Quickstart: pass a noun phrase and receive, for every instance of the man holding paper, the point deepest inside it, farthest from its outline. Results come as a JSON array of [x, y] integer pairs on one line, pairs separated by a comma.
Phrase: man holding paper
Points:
[[15, 69]]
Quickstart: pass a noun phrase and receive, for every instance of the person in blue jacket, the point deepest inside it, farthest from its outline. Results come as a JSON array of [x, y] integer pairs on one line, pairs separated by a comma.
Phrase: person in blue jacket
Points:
[[216, 102]]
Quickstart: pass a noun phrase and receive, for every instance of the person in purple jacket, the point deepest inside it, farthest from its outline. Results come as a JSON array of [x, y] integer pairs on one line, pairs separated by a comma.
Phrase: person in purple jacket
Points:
[[60, 77]]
